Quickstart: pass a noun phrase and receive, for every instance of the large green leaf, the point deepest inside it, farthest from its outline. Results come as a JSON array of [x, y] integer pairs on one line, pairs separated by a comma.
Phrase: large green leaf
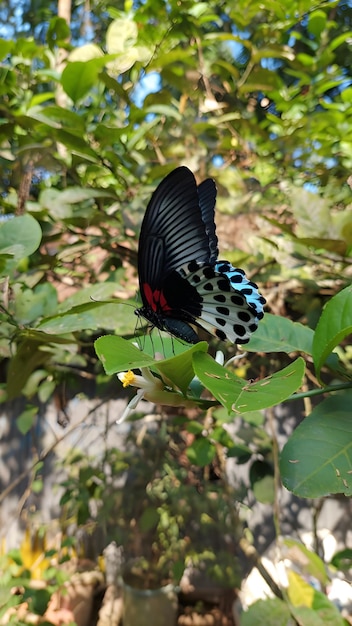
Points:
[[334, 325], [279, 334], [317, 459], [241, 396]]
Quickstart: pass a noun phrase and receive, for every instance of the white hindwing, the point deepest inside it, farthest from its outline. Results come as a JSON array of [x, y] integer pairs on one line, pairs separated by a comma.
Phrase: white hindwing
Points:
[[231, 304]]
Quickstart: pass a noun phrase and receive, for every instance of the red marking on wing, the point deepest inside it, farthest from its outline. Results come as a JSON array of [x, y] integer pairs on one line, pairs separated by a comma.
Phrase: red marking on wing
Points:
[[155, 299]]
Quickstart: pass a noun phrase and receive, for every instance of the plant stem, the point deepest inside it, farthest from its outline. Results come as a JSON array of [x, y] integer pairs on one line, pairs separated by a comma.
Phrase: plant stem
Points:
[[254, 558], [317, 392]]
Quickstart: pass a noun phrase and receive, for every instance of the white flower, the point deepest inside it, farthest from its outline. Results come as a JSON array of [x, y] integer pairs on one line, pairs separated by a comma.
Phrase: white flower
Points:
[[151, 388], [147, 381], [147, 384]]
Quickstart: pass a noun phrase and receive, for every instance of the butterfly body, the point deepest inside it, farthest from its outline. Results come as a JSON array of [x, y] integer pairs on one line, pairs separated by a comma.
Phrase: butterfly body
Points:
[[181, 280]]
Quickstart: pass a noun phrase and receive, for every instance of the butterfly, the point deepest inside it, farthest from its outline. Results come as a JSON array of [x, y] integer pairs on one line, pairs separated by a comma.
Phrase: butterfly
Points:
[[182, 282]]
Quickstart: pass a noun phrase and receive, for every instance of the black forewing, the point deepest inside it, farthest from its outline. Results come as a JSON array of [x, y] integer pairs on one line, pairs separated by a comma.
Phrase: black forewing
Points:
[[207, 199], [173, 231]]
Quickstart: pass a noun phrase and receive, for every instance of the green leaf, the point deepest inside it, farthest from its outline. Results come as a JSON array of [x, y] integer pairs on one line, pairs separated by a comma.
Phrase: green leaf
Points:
[[28, 357], [306, 59], [179, 369], [90, 316], [19, 236], [342, 560], [340, 39], [334, 325], [260, 79], [58, 31], [118, 355], [79, 77], [223, 384], [149, 519], [5, 47], [317, 459], [26, 420], [99, 292], [316, 22], [61, 203], [270, 611], [31, 304], [262, 482], [161, 344], [194, 427], [241, 396], [201, 452], [338, 246], [279, 334], [57, 117]]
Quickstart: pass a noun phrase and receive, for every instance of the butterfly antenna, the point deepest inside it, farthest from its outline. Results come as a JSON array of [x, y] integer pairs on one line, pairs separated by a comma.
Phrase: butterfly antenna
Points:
[[151, 339], [113, 301], [173, 345], [141, 332], [162, 344]]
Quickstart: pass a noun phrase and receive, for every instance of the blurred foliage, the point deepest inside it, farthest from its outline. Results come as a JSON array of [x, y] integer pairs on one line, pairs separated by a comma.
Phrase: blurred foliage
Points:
[[257, 97], [92, 115]]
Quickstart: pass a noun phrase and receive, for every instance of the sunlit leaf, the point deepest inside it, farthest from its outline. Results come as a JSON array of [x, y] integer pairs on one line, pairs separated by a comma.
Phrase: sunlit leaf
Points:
[[85, 53], [311, 564], [309, 606], [241, 396], [120, 35]]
